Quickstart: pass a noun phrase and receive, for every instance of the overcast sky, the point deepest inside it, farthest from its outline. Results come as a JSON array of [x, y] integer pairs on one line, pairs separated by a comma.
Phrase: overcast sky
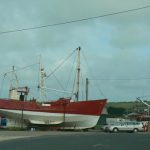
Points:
[[116, 47]]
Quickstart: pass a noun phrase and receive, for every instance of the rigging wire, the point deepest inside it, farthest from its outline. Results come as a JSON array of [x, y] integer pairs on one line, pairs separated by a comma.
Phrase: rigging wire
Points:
[[2, 85], [73, 87], [96, 84], [58, 67], [58, 81], [74, 21], [64, 61], [23, 68], [71, 72]]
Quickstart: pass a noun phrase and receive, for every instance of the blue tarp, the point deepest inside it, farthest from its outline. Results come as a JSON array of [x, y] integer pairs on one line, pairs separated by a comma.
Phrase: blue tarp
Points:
[[3, 122]]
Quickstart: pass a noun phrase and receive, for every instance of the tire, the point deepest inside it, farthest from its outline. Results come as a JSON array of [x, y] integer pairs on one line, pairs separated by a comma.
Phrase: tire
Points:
[[115, 130], [106, 129], [135, 130], [85, 130]]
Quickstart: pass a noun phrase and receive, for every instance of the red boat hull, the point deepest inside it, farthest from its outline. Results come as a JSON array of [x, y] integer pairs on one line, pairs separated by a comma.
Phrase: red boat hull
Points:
[[81, 114]]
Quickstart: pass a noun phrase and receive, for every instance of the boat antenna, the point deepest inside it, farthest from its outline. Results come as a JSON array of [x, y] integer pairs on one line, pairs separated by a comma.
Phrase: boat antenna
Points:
[[78, 73]]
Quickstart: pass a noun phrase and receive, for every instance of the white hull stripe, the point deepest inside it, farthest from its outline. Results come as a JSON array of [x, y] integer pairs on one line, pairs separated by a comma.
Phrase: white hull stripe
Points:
[[74, 121]]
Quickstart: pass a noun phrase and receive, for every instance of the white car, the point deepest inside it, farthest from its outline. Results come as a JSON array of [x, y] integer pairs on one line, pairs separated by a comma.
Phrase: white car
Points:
[[130, 126]]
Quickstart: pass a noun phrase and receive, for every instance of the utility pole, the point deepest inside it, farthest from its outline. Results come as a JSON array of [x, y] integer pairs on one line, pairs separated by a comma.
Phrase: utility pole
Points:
[[87, 88]]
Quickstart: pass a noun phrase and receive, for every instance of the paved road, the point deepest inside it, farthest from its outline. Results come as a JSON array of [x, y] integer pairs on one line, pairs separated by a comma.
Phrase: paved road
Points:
[[81, 141]]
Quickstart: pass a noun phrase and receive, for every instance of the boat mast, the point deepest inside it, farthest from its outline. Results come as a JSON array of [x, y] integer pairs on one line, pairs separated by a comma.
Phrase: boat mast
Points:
[[14, 80], [78, 74], [42, 76]]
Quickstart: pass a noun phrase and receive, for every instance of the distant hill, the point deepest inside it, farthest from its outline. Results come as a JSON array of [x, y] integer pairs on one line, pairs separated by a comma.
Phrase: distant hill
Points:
[[130, 107], [126, 105]]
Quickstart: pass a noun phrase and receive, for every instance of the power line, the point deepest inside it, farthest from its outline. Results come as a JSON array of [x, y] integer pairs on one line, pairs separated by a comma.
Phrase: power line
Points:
[[107, 79], [73, 21]]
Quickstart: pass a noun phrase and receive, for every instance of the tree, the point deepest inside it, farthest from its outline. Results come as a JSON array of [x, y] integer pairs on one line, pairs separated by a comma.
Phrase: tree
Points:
[[116, 111]]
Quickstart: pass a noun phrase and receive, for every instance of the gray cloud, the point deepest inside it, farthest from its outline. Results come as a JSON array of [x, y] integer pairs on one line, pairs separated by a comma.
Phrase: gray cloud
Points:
[[115, 46]]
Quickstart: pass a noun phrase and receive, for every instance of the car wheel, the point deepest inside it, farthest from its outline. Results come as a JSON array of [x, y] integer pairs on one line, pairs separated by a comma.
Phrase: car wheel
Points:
[[135, 130], [115, 130], [106, 129]]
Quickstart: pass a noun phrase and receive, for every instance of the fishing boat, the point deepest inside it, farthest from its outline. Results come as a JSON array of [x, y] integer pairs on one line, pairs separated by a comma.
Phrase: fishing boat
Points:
[[63, 113]]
